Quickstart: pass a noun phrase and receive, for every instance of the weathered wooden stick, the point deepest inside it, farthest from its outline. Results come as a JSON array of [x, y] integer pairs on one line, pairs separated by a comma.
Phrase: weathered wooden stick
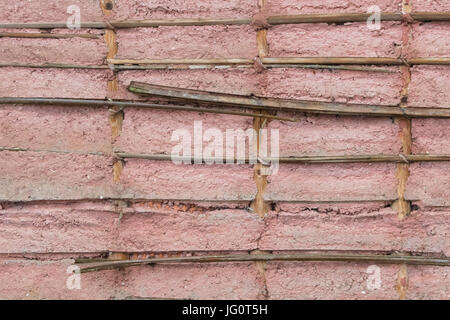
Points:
[[431, 16], [330, 18], [274, 20], [356, 61], [52, 66], [382, 259], [330, 67], [105, 103], [300, 159], [355, 17], [197, 96], [47, 35], [224, 61]]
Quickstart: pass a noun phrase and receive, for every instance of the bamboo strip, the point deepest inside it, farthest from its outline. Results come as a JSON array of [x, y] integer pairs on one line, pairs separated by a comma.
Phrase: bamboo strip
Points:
[[329, 67], [197, 96], [224, 61], [280, 61], [357, 60], [299, 159], [274, 20], [330, 18], [382, 259], [293, 159], [52, 66], [110, 103], [47, 35]]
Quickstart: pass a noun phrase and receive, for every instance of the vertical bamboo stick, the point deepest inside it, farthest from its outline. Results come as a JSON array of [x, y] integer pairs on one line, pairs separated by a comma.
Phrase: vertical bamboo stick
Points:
[[116, 114], [259, 205], [402, 206]]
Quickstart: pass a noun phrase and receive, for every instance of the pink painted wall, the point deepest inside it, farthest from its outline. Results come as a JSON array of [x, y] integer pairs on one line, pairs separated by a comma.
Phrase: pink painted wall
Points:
[[58, 203]]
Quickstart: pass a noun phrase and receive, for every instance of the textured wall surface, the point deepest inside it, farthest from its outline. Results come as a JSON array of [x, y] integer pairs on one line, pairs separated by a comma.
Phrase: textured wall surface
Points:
[[63, 196]]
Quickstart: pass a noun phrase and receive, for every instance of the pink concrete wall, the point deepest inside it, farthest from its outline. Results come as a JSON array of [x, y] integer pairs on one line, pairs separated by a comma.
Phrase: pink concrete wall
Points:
[[59, 203]]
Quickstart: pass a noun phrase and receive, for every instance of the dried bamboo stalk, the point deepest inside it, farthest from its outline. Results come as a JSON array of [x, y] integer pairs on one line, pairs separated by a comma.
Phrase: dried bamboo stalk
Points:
[[47, 35], [197, 96], [52, 66], [382, 259], [224, 61], [330, 18], [297, 159], [356, 61], [330, 67], [274, 20], [110, 103]]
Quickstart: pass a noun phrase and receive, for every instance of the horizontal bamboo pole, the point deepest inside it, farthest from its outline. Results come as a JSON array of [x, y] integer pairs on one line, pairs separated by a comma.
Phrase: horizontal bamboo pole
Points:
[[355, 17], [330, 18], [291, 61], [273, 20], [52, 66], [297, 159], [119, 103], [47, 35], [121, 67], [197, 96], [356, 60], [382, 259], [292, 159], [224, 61], [329, 67]]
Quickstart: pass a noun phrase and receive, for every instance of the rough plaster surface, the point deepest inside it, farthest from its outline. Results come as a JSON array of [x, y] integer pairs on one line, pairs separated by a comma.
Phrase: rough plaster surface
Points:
[[431, 136], [28, 176], [336, 85], [54, 83], [48, 11], [97, 227], [319, 40], [194, 42], [83, 129], [430, 183], [427, 5], [283, 7], [426, 40], [78, 51], [376, 229], [328, 182], [212, 214], [331, 135], [147, 131], [165, 180], [234, 81], [429, 86], [171, 9]]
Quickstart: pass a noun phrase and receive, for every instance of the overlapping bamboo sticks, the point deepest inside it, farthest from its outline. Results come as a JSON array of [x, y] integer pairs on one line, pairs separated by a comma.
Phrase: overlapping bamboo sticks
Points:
[[272, 20], [136, 104], [232, 100], [313, 257]]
